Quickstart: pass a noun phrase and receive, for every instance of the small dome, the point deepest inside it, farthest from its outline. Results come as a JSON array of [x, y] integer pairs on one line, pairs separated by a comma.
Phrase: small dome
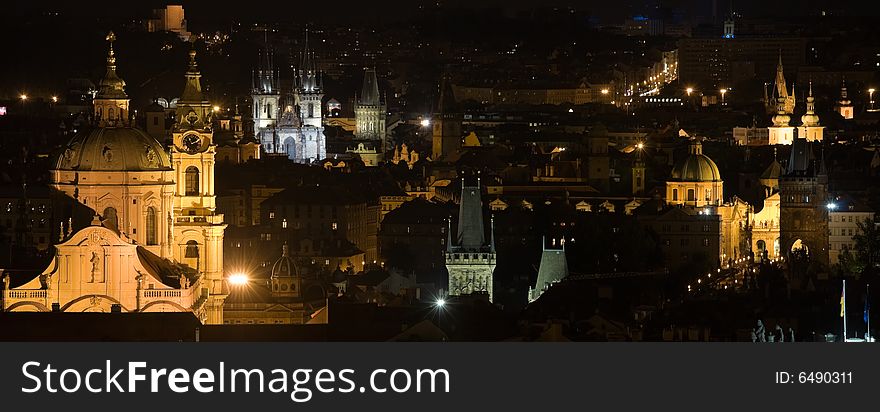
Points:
[[697, 167], [284, 266], [113, 149]]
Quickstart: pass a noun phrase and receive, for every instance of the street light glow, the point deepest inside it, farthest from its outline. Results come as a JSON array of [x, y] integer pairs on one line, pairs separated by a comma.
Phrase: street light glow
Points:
[[425, 122], [54, 99], [23, 96], [689, 90], [238, 279], [604, 91], [440, 303], [216, 109]]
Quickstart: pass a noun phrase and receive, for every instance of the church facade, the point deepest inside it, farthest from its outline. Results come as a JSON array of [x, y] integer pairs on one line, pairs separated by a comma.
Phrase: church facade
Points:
[[155, 242], [293, 125]]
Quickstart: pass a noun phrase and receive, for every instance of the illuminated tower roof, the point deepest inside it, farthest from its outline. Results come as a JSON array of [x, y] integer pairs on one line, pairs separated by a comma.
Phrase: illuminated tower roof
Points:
[[370, 89], [696, 167], [810, 118], [111, 86]]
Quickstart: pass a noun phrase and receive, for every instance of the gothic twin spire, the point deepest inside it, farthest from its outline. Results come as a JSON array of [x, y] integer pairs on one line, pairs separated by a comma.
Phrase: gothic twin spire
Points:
[[267, 79]]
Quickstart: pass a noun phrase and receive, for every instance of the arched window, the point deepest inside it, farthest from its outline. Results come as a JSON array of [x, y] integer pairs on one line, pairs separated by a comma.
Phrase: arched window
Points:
[[691, 195], [192, 181], [311, 110], [675, 195], [110, 221], [192, 249], [152, 238], [110, 114]]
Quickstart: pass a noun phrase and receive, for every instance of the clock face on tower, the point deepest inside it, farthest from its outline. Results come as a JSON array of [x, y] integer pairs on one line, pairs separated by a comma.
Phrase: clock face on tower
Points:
[[192, 143]]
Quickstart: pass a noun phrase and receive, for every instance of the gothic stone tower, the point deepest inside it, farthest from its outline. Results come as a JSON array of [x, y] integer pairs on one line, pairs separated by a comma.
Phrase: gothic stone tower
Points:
[[803, 195], [197, 228], [266, 100], [470, 260], [447, 123], [369, 112], [308, 99]]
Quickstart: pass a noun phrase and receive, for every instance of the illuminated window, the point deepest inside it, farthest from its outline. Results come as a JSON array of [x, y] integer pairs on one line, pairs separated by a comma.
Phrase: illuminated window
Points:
[[152, 238], [111, 221], [191, 180], [192, 249]]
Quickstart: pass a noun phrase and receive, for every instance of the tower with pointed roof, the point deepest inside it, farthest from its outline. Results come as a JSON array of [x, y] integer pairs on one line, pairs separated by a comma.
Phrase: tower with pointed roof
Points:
[[308, 94], [781, 132], [810, 128], [553, 269], [369, 112], [844, 105], [447, 119], [266, 101], [803, 191], [470, 258], [111, 102], [197, 228]]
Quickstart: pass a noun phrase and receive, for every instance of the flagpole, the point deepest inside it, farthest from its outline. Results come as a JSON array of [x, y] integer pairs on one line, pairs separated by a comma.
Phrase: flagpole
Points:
[[868, 309], [843, 309]]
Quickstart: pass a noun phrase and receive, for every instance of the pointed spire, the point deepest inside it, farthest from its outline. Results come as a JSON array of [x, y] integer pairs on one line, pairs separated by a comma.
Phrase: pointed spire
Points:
[[492, 233], [111, 86], [192, 92], [285, 252]]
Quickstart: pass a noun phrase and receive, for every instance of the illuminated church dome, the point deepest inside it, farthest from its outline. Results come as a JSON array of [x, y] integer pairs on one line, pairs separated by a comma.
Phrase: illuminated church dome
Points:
[[697, 167], [284, 266], [112, 145], [113, 149]]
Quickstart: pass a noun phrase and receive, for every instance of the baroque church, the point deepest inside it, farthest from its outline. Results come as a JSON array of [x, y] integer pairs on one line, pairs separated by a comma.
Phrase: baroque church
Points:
[[291, 125], [155, 243]]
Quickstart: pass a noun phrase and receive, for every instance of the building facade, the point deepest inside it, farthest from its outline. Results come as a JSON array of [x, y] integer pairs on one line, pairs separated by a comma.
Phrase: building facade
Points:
[[155, 243]]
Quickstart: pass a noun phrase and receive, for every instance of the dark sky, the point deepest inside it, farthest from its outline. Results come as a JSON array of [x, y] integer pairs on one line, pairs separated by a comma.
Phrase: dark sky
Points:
[[347, 10]]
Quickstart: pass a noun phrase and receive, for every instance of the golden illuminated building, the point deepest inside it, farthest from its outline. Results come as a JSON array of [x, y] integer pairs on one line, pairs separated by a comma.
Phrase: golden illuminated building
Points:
[[151, 213]]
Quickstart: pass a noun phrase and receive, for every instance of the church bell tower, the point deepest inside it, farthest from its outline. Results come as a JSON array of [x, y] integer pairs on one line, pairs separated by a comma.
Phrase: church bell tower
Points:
[[197, 228]]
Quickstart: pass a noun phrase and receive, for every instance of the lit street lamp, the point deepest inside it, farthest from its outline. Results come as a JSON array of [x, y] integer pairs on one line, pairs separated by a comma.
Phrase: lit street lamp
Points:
[[23, 97], [723, 92], [689, 90]]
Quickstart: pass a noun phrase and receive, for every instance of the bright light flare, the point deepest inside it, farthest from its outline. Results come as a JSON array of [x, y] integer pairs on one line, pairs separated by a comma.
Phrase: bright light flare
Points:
[[238, 279], [440, 303], [23, 96], [216, 109], [425, 122]]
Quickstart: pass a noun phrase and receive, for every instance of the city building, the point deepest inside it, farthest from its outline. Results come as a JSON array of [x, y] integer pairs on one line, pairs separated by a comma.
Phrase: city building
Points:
[[713, 62], [155, 242], [845, 214], [171, 19]]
